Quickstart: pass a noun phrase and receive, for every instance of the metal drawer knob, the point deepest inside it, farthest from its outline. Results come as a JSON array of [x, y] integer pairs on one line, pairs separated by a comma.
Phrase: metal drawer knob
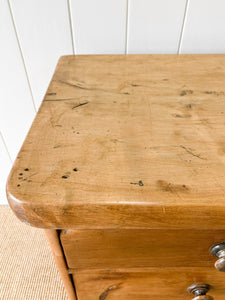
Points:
[[199, 290], [219, 251]]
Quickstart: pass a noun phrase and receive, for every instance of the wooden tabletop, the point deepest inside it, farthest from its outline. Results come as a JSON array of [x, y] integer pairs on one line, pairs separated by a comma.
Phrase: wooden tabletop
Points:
[[126, 141]]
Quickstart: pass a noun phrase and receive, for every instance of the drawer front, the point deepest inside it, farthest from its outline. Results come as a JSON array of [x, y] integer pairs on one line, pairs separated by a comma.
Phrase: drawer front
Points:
[[146, 283], [139, 248]]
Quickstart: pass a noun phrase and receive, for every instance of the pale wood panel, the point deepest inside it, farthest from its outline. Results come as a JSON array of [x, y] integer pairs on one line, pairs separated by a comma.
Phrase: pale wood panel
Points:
[[5, 165], [126, 141], [99, 26], [155, 26], [204, 28], [146, 283], [16, 107], [44, 33]]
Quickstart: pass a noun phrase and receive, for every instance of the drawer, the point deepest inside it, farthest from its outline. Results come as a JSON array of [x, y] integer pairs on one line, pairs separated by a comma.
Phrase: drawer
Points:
[[139, 248], [146, 283]]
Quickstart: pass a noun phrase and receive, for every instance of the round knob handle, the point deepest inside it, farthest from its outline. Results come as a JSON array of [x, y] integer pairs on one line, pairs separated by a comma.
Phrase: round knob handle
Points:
[[219, 251], [200, 290], [204, 297]]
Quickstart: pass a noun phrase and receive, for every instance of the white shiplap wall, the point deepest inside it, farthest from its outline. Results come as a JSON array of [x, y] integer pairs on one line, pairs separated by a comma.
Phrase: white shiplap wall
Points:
[[155, 26], [43, 30], [35, 33], [204, 27], [99, 26]]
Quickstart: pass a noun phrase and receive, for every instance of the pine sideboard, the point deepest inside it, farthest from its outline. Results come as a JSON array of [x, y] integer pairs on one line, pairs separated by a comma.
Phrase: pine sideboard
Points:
[[124, 169]]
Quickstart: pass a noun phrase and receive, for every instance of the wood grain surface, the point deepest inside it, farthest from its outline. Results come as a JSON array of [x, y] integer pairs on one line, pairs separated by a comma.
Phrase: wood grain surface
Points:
[[132, 141], [127, 248], [146, 283]]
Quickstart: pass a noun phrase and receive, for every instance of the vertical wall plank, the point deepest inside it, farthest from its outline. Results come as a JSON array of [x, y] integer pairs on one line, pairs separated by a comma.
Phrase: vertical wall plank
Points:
[[99, 26], [155, 26], [16, 107], [5, 165], [204, 27], [43, 29]]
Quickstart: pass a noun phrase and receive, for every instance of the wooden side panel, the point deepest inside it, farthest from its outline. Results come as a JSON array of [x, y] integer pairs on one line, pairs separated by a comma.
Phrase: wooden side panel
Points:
[[142, 284], [99, 27], [139, 248], [204, 27], [155, 26], [16, 107], [44, 35]]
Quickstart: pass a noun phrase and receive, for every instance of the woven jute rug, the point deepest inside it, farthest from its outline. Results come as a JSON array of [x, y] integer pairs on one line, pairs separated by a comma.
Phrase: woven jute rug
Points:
[[27, 268]]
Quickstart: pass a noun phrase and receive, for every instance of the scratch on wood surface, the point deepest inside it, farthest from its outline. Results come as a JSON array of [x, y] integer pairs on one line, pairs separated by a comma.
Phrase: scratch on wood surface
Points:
[[140, 183], [92, 88], [80, 104], [51, 94], [181, 116], [76, 85], [191, 153], [59, 99], [79, 86], [142, 85], [32, 175], [117, 141], [108, 290]]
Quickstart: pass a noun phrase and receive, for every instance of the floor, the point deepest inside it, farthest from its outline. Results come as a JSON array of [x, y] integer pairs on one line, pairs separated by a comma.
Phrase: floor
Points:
[[27, 268]]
